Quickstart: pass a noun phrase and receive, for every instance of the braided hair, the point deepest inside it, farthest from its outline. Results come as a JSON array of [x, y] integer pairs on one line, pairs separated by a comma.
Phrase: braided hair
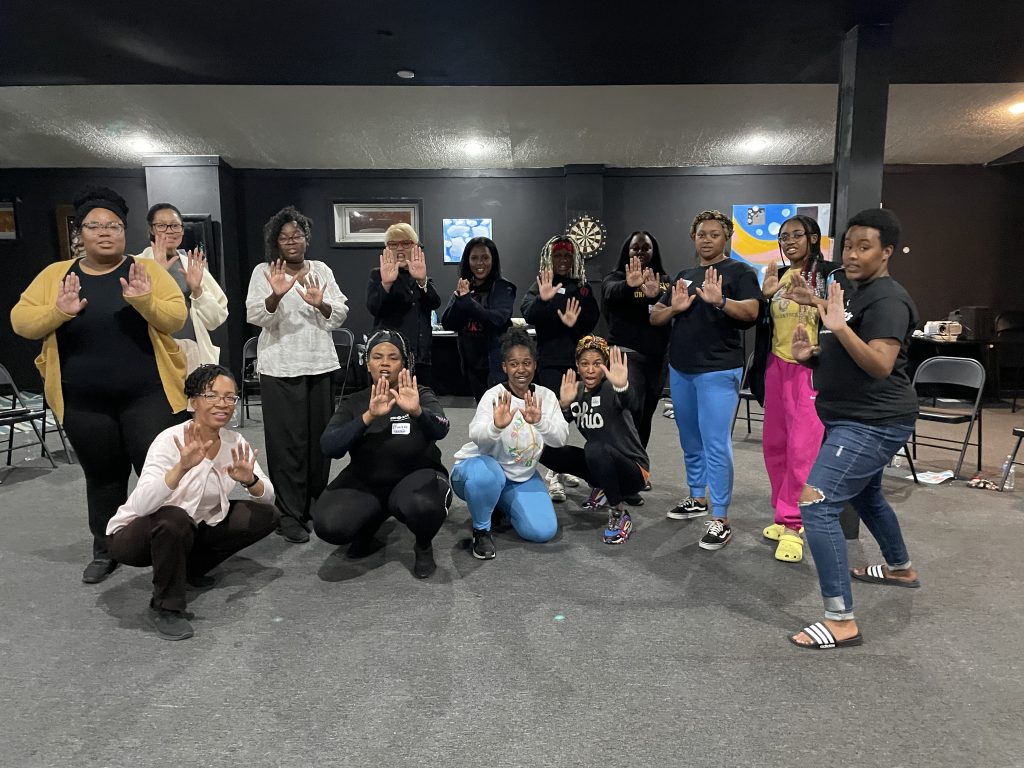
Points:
[[579, 271], [811, 272]]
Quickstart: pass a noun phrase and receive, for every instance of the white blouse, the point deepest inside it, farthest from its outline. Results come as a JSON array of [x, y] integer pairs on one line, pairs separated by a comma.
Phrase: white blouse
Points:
[[295, 339], [202, 492]]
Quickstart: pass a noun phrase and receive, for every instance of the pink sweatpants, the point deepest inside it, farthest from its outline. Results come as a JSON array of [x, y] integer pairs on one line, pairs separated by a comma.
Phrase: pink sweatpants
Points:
[[792, 435]]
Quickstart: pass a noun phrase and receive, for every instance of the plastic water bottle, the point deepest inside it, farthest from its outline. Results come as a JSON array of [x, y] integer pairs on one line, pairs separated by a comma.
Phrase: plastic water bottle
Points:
[[897, 461], [1008, 486]]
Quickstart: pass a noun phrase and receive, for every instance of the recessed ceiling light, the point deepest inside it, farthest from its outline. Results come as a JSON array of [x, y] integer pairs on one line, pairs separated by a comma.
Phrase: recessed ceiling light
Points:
[[406, 74], [142, 145], [755, 144], [473, 147], [1017, 109]]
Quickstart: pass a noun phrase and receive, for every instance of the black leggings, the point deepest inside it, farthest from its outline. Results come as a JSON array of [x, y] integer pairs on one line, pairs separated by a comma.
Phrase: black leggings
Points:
[[646, 377], [420, 500], [603, 466], [111, 437]]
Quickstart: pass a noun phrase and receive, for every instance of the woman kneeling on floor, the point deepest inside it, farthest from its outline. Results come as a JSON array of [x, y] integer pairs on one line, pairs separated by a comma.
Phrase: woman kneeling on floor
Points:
[[498, 469], [614, 461], [390, 431], [178, 519]]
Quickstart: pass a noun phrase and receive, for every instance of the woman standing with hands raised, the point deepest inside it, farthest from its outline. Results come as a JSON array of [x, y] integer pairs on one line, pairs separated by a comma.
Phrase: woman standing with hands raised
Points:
[[111, 371], [401, 297], [708, 306], [297, 303], [390, 432]]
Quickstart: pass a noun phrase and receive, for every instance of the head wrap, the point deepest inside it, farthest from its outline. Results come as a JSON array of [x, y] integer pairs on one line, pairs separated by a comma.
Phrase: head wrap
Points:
[[385, 336], [100, 197], [595, 343]]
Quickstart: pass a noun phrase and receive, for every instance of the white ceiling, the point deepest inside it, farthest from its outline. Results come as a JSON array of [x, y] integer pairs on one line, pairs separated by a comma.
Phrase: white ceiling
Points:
[[372, 127]]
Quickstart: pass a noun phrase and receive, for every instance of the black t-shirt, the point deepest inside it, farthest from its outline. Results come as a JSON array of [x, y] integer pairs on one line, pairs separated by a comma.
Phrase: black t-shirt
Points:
[[628, 312], [105, 351], [881, 309], [390, 448], [704, 338]]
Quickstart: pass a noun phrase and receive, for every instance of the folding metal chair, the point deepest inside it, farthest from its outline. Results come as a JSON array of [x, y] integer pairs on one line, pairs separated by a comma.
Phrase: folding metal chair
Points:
[[20, 412], [948, 378], [746, 398], [344, 344], [250, 379]]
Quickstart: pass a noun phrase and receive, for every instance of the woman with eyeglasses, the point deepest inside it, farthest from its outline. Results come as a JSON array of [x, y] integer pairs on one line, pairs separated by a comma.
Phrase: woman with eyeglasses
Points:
[[792, 429], [390, 432], [480, 311], [709, 305], [179, 519], [296, 303], [629, 294], [401, 297], [206, 302], [112, 373]]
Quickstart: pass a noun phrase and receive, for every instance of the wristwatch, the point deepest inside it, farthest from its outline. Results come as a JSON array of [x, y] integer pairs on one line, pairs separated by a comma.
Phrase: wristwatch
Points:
[[247, 486]]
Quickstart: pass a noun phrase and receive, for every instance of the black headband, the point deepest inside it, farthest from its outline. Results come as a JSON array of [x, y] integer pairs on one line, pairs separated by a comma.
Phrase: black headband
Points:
[[396, 339]]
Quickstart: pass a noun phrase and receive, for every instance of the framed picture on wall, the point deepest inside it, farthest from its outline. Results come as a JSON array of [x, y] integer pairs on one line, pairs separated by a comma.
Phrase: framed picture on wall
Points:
[[8, 221], [364, 223], [67, 235]]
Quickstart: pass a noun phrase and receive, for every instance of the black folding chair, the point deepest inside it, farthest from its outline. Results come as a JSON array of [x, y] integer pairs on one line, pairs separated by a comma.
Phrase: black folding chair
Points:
[[250, 379], [959, 381], [344, 345], [746, 398], [20, 412]]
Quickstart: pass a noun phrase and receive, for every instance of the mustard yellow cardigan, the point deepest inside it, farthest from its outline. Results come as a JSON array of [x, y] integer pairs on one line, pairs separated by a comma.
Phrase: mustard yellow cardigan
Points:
[[36, 316]]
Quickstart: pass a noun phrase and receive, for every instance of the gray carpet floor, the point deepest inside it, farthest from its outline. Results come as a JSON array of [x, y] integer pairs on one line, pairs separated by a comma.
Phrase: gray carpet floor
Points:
[[571, 653]]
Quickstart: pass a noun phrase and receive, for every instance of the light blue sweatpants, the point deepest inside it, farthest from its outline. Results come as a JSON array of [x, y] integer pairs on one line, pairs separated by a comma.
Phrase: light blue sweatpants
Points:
[[481, 483]]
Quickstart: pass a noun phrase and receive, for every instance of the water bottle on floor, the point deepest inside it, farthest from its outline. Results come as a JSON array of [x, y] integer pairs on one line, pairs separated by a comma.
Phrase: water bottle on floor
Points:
[[897, 461], [1008, 485]]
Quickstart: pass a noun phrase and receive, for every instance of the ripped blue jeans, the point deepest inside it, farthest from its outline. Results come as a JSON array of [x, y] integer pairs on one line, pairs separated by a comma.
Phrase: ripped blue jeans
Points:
[[849, 469]]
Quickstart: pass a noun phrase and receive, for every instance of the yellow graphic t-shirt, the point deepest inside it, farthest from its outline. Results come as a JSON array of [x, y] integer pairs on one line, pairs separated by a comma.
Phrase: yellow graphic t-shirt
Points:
[[786, 315]]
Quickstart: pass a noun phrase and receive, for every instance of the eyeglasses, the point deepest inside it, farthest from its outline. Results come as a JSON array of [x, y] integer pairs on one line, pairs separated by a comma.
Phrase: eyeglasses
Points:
[[213, 397], [168, 227], [114, 227], [785, 237], [296, 238], [399, 243]]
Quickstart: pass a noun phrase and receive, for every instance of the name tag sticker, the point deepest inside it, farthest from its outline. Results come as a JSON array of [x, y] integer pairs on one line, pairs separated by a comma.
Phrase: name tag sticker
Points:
[[688, 283], [400, 428], [595, 402], [561, 290]]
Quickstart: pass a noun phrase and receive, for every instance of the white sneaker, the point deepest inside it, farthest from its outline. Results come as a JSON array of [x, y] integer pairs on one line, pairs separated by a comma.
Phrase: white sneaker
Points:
[[571, 480], [555, 489]]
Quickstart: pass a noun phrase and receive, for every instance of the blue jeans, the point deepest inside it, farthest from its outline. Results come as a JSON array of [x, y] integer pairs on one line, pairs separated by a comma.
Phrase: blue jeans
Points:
[[704, 405], [849, 468], [481, 483]]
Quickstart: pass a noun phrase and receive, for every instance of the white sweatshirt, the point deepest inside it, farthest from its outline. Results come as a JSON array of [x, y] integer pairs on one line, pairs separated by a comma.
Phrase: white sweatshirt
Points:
[[518, 446], [207, 480]]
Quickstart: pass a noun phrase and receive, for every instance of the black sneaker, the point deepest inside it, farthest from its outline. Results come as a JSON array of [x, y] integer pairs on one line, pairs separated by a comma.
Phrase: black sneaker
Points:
[[292, 530], [636, 500], [483, 545], [717, 534], [424, 564], [98, 570], [170, 625], [687, 508]]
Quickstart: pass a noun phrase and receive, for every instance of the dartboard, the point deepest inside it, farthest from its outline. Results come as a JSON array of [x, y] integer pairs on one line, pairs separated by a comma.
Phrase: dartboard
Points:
[[588, 233]]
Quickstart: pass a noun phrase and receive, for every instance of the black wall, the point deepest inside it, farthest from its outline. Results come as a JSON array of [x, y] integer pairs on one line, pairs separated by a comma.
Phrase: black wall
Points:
[[960, 222]]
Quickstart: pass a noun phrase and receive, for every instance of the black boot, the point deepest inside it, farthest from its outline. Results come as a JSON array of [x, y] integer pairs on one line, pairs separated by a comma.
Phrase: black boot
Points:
[[424, 565]]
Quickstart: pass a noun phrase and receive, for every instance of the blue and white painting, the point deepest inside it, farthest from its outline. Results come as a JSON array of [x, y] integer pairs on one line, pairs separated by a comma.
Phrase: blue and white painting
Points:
[[458, 232]]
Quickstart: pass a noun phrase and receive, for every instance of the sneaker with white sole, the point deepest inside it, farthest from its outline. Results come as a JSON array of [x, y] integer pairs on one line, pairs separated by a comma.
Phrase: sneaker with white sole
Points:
[[555, 489], [570, 480], [687, 508], [595, 500], [717, 534], [483, 545], [620, 526]]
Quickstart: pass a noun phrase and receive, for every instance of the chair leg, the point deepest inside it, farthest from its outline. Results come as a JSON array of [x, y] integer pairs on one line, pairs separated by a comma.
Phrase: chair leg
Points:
[[910, 463], [979, 438], [748, 416], [1006, 469], [735, 416], [42, 442], [10, 443]]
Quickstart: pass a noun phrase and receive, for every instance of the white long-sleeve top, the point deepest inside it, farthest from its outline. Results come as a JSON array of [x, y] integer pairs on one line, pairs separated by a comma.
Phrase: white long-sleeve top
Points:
[[518, 446], [209, 311], [202, 492], [295, 339]]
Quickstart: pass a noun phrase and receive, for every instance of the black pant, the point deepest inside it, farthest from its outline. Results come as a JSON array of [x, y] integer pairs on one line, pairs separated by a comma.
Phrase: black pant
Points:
[[178, 548], [420, 501], [111, 436], [603, 466], [646, 377], [296, 410]]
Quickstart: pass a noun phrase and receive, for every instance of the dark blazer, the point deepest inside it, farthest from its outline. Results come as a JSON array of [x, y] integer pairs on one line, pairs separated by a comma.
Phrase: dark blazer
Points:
[[405, 308]]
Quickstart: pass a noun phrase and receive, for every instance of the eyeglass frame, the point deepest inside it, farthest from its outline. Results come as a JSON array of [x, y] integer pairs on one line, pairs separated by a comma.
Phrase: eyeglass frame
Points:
[[173, 227], [115, 227], [213, 398], [392, 245], [785, 237], [298, 237]]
